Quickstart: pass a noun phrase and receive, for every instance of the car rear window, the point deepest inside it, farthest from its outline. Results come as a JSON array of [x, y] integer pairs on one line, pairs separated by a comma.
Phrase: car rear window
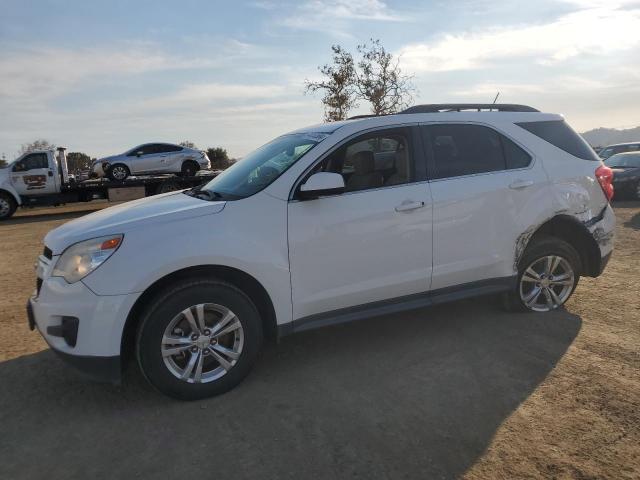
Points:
[[561, 135]]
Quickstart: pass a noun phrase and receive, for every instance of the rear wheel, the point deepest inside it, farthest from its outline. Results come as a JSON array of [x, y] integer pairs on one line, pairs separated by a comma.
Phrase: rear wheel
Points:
[[8, 206], [548, 273], [119, 172], [199, 339], [189, 168]]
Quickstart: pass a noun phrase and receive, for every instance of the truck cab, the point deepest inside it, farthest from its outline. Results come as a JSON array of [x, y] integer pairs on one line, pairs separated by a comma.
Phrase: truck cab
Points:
[[32, 174]]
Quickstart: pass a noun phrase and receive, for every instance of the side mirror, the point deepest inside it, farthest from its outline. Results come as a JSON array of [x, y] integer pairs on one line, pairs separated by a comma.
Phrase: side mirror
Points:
[[321, 183], [139, 153]]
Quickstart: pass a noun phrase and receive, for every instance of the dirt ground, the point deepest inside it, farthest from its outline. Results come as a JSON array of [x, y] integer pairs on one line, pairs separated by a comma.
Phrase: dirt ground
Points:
[[458, 390]]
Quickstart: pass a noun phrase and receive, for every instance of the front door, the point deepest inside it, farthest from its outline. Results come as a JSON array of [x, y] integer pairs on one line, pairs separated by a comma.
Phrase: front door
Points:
[[149, 161], [31, 175], [370, 243]]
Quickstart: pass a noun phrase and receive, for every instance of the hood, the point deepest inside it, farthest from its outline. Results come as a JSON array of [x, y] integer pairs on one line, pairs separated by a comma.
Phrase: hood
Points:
[[110, 158], [168, 207]]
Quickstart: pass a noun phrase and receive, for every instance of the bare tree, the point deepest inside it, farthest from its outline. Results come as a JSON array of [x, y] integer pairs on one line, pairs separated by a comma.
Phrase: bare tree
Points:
[[78, 161], [338, 85], [39, 144], [380, 80]]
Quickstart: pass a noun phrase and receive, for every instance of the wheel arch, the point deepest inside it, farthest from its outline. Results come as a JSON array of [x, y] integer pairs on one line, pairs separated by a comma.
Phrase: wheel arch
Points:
[[12, 193], [578, 236], [189, 160], [240, 279]]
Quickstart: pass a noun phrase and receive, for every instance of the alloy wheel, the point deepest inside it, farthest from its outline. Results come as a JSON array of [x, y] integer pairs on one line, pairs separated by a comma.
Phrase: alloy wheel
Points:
[[202, 343], [119, 173], [547, 283]]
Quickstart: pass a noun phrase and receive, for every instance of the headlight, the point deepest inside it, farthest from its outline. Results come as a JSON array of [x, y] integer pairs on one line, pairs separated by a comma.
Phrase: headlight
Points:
[[82, 258]]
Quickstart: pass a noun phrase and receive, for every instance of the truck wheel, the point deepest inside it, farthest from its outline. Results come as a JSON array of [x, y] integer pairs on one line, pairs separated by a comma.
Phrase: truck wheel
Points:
[[189, 168], [199, 338], [118, 172], [8, 206], [548, 273]]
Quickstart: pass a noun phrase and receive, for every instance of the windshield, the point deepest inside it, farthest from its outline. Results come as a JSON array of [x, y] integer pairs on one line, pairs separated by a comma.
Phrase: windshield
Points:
[[623, 160], [261, 167]]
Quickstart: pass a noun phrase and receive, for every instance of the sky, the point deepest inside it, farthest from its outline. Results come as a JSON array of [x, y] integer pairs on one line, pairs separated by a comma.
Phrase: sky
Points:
[[103, 76]]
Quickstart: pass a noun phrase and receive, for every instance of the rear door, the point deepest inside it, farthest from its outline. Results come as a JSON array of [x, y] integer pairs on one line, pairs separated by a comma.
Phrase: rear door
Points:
[[483, 186], [32, 175], [170, 157], [372, 242]]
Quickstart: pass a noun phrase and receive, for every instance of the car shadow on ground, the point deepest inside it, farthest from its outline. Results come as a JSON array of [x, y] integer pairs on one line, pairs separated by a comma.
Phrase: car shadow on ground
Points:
[[414, 395]]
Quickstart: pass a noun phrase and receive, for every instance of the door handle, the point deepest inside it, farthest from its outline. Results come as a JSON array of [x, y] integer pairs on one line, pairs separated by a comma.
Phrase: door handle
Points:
[[517, 184], [50, 173], [408, 206]]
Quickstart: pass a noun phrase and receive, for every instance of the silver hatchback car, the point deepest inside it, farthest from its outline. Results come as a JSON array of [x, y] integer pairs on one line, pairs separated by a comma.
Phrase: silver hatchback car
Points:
[[152, 158]]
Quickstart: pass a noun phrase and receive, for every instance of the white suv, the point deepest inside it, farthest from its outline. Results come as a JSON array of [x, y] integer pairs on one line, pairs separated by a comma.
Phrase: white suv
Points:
[[327, 224]]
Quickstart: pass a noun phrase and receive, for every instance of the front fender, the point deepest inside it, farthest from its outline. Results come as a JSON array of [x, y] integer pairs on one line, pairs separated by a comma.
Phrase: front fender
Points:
[[5, 186]]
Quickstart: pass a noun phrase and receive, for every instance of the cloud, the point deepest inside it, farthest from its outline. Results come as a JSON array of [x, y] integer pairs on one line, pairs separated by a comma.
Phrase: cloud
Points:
[[206, 93], [44, 73], [589, 31], [334, 16]]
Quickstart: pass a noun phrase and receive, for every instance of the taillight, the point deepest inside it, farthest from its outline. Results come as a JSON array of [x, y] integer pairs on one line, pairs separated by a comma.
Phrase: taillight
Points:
[[605, 178]]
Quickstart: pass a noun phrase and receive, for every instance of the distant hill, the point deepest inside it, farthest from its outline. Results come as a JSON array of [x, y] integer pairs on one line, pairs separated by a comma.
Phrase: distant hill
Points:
[[601, 137]]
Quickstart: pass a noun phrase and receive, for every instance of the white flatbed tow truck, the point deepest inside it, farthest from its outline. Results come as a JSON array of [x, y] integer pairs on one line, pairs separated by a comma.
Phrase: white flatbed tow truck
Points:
[[42, 178]]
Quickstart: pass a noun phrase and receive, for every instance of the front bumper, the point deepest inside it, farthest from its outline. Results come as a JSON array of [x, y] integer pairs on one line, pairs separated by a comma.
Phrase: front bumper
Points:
[[85, 329]]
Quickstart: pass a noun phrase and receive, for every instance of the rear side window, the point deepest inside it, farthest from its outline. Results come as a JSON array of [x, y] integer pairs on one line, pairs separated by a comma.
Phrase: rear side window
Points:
[[166, 148], [561, 135], [470, 149], [515, 156]]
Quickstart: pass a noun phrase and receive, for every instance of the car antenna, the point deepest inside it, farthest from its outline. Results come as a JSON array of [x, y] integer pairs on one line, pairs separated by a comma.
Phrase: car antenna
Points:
[[496, 99]]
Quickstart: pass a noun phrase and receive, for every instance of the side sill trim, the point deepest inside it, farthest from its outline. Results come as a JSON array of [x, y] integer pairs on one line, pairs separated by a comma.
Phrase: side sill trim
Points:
[[399, 304]]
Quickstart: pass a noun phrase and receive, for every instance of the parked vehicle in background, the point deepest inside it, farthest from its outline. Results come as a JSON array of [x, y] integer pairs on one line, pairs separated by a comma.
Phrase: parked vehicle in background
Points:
[[42, 178], [330, 223], [152, 158], [609, 150], [626, 174]]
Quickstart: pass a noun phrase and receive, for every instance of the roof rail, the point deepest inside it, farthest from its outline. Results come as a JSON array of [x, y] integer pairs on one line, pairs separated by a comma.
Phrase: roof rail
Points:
[[458, 107]]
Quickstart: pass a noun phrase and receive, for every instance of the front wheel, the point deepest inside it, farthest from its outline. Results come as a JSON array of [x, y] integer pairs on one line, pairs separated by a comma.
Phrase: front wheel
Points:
[[8, 206], [199, 339], [548, 273], [119, 172]]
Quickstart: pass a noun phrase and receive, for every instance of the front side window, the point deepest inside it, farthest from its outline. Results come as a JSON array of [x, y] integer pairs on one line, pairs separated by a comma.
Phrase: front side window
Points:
[[460, 149], [32, 162], [260, 168], [373, 160]]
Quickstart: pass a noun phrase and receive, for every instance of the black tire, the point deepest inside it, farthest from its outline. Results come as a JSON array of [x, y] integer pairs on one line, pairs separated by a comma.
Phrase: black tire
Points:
[[538, 248], [167, 305], [189, 168], [114, 170], [8, 205]]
